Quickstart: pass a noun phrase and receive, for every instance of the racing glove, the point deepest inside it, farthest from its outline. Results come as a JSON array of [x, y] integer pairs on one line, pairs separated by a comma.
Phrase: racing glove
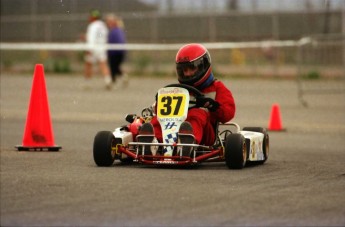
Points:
[[208, 103]]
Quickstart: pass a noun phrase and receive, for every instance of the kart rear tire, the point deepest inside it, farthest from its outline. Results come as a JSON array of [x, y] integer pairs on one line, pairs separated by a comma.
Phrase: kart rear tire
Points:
[[266, 142], [102, 148], [235, 151]]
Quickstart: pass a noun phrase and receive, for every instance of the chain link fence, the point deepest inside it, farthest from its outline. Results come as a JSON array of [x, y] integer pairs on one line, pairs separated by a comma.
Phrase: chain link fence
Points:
[[155, 27], [322, 58]]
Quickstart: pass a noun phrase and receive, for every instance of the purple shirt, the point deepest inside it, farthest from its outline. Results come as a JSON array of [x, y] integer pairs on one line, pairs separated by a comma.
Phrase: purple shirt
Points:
[[116, 36]]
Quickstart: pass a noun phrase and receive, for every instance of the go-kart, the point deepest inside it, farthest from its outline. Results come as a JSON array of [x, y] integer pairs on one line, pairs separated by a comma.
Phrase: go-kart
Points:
[[233, 146]]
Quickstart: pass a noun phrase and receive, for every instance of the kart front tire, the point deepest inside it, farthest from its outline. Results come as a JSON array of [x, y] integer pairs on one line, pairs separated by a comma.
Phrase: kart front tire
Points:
[[235, 151], [102, 148], [266, 142]]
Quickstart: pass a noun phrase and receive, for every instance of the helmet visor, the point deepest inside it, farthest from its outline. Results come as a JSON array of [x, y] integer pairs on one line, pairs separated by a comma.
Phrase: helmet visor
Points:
[[189, 71]]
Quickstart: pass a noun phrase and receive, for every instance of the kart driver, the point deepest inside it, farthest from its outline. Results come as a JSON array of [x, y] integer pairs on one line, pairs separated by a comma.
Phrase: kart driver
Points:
[[193, 68]]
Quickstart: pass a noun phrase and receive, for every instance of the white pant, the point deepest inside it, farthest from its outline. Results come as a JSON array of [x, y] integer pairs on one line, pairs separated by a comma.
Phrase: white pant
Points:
[[96, 56]]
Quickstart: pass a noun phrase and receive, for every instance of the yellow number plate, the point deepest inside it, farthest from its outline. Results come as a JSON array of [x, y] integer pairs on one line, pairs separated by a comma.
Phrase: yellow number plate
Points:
[[171, 105]]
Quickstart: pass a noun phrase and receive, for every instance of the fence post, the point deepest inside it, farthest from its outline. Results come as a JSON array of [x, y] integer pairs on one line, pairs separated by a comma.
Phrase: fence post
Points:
[[343, 33], [299, 75]]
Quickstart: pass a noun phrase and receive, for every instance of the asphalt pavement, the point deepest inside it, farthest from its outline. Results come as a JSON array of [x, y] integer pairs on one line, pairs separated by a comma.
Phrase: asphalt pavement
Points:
[[302, 183]]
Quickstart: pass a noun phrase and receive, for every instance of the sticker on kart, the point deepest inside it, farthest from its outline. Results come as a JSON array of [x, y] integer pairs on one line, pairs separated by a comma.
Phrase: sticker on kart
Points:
[[172, 110]]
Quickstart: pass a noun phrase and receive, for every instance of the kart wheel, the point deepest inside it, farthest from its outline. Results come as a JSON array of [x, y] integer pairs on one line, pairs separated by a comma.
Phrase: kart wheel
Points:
[[266, 143], [103, 145], [235, 151]]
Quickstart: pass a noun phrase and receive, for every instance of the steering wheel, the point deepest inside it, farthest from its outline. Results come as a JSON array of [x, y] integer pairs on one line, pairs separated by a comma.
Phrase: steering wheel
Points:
[[197, 94]]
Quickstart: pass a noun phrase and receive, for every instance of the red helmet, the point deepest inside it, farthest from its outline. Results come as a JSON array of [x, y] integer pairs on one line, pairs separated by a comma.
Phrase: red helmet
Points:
[[196, 59]]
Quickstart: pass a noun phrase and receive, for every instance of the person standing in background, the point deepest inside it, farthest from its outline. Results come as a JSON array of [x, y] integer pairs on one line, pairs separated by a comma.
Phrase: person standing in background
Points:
[[116, 57], [96, 36]]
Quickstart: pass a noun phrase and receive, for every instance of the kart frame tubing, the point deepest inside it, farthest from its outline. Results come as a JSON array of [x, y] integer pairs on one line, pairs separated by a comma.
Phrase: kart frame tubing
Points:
[[171, 160]]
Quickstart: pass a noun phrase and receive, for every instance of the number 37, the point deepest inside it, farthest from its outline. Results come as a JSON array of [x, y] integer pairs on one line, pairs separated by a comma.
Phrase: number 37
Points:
[[170, 105]]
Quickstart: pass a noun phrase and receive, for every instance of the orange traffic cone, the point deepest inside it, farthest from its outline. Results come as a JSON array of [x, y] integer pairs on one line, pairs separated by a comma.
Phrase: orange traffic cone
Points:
[[275, 123], [38, 133]]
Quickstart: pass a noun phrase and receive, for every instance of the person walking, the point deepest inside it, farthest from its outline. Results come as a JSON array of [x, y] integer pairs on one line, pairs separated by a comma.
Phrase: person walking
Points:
[[116, 57], [96, 36]]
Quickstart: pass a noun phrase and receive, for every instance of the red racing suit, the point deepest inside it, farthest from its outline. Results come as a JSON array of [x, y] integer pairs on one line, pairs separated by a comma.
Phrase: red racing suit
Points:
[[202, 120]]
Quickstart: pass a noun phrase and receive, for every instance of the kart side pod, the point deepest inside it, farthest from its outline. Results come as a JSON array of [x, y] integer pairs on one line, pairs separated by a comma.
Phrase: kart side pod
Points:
[[254, 143], [123, 137]]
